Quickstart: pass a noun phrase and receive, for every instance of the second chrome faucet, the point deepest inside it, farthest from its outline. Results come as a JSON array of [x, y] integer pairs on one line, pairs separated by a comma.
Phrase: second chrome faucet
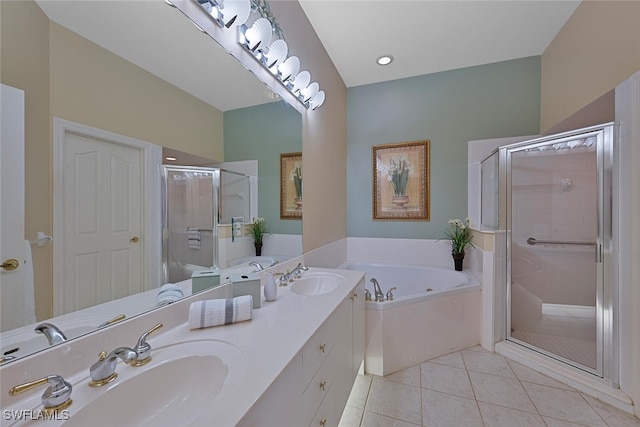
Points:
[[289, 276], [104, 370]]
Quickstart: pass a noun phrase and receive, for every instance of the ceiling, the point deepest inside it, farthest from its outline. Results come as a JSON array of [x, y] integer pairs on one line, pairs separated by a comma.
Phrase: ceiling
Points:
[[430, 36], [423, 36], [162, 41]]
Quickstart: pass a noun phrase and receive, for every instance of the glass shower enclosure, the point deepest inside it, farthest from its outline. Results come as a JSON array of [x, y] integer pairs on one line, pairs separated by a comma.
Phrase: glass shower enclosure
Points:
[[556, 206], [196, 200]]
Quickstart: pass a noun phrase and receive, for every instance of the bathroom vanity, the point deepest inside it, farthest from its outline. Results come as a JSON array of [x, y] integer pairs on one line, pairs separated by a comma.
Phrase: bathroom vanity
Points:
[[293, 364]]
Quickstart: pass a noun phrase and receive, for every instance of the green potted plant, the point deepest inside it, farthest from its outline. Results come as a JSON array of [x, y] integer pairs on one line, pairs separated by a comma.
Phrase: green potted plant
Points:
[[257, 230], [459, 234]]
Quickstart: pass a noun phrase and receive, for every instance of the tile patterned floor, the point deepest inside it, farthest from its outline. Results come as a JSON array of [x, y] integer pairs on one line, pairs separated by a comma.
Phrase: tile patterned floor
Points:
[[472, 388]]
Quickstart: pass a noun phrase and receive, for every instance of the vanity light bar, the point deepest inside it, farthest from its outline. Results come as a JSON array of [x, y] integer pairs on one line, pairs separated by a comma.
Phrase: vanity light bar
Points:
[[265, 41]]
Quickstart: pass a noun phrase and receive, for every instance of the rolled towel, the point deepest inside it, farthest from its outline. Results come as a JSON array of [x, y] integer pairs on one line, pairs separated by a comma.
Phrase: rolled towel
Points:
[[215, 312], [168, 293]]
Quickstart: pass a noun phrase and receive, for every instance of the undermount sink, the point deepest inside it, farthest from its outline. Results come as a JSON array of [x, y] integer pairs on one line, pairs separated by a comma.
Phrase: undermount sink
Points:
[[316, 283], [181, 381]]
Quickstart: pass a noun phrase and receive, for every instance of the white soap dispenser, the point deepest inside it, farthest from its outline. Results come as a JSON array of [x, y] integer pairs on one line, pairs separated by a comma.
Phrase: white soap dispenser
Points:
[[270, 288]]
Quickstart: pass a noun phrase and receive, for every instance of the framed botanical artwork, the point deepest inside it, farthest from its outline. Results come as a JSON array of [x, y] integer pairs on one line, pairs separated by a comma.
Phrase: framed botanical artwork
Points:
[[291, 186], [401, 181]]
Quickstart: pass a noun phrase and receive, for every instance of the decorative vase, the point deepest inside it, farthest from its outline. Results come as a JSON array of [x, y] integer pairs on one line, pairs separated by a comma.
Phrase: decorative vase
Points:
[[270, 288], [400, 201], [458, 257], [298, 202], [258, 246]]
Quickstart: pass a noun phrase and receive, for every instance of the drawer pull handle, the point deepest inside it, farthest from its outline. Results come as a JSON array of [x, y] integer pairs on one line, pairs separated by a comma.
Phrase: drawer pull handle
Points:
[[323, 347], [323, 422], [322, 385]]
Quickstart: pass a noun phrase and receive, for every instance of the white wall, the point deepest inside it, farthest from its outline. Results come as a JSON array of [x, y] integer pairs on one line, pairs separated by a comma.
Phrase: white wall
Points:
[[626, 232]]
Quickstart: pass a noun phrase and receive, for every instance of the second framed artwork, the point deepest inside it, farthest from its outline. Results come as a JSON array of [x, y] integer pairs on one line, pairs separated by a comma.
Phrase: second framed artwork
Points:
[[401, 181], [291, 186]]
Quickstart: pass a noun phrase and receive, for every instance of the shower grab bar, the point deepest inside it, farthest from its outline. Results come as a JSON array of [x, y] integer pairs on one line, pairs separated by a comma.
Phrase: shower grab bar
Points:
[[533, 241]]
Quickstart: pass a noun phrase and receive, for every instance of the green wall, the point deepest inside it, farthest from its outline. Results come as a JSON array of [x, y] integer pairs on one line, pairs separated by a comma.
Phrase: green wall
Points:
[[449, 109], [262, 133]]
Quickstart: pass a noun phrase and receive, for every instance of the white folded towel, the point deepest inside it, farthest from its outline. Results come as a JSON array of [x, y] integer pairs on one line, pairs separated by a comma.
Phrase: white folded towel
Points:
[[168, 293], [194, 237], [214, 312]]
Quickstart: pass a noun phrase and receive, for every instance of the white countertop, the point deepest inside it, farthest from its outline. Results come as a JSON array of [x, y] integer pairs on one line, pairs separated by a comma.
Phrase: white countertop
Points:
[[277, 332], [268, 342]]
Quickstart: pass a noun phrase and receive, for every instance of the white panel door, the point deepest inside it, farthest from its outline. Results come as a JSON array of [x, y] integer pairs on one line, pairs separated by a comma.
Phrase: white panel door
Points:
[[12, 207], [102, 222]]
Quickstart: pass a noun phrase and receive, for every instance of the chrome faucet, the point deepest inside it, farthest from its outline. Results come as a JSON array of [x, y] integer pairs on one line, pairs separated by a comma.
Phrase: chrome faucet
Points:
[[51, 332], [56, 397], [390, 293], [377, 290], [290, 275], [104, 370], [297, 272], [256, 265], [143, 349]]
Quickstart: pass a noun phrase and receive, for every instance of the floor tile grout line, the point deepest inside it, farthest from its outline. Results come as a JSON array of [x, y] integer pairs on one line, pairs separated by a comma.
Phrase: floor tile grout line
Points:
[[364, 409], [564, 421], [475, 398], [393, 418], [593, 409], [473, 390]]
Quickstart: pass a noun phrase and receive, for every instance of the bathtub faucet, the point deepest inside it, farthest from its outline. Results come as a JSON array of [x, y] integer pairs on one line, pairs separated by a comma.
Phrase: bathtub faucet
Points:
[[377, 290]]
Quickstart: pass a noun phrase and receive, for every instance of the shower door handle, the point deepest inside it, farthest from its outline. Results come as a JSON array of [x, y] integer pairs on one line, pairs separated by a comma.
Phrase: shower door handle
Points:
[[598, 253]]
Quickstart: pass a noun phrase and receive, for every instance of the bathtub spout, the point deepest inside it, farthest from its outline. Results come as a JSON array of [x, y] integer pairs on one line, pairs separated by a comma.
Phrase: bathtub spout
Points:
[[377, 290]]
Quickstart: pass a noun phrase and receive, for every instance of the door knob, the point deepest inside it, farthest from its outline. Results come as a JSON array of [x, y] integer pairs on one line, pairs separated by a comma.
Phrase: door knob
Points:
[[134, 239], [10, 264]]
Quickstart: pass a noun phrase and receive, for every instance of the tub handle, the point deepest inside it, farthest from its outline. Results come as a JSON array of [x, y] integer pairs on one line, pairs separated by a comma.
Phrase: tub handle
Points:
[[390, 293]]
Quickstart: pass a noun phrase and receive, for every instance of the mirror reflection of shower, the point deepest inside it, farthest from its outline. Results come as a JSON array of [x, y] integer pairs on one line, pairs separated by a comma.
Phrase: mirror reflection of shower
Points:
[[195, 201]]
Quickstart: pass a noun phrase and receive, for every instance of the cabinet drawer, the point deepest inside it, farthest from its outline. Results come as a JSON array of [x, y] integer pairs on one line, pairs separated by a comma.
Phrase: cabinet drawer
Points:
[[318, 388], [327, 415], [316, 350]]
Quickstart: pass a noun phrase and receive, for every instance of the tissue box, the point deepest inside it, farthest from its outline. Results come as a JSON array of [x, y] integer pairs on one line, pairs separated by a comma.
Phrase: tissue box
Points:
[[204, 279], [246, 284]]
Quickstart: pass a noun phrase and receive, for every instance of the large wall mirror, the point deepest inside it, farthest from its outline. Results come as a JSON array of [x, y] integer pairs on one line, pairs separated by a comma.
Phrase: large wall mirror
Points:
[[143, 71]]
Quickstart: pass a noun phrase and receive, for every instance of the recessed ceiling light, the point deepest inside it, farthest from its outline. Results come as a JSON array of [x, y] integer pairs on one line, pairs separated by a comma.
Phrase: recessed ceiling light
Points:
[[385, 60], [171, 159]]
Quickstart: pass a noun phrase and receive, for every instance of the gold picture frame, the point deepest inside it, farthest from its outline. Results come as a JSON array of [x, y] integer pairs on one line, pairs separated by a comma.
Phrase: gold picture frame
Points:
[[401, 181], [291, 185]]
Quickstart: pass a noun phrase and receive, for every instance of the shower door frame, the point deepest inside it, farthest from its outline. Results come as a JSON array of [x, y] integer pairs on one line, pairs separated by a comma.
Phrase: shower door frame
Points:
[[606, 307], [165, 217]]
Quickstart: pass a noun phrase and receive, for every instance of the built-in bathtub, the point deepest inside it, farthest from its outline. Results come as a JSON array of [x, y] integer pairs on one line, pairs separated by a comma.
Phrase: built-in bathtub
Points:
[[434, 311]]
